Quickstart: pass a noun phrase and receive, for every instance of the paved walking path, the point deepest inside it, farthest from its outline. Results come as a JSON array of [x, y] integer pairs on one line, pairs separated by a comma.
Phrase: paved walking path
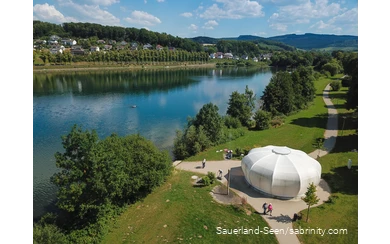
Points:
[[283, 210]]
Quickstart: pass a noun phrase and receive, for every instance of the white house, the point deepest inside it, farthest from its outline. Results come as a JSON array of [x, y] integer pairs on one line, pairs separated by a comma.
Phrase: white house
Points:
[[228, 55], [95, 49]]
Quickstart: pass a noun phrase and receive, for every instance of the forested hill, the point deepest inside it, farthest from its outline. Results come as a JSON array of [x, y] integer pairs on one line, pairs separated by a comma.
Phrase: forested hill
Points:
[[316, 41], [306, 41], [263, 43]]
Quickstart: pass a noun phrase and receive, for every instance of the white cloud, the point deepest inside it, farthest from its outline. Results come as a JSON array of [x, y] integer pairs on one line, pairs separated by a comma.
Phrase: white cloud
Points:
[[186, 14], [193, 27], [104, 2], [46, 12], [320, 25], [142, 18], [348, 17], [347, 21], [97, 15], [279, 27], [233, 9], [90, 13], [304, 12], [160, 1], [209, 25]]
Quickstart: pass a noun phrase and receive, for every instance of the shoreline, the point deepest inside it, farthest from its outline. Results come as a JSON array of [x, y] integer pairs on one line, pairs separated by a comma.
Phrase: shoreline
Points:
[[82, 67]]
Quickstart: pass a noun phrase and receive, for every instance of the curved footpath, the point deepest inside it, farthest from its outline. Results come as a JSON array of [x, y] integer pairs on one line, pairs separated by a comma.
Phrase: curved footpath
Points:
[[283, 209]]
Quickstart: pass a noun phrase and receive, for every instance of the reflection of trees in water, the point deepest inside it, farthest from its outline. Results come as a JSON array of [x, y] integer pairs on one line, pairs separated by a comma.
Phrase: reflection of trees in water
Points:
[[136, 82]]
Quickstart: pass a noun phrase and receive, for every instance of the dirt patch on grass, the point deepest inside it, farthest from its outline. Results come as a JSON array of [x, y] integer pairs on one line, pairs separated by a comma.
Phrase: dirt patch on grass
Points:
[[219, 193]]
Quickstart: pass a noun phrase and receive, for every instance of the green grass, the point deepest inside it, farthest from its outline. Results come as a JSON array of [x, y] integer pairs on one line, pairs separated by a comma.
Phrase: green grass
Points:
[[343, 212], [179, 212]]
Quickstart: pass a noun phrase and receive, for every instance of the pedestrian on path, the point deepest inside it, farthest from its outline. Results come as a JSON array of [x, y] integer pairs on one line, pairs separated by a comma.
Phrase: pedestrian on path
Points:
[[270, 208], [203, 163], [220, 174], [265, 208]]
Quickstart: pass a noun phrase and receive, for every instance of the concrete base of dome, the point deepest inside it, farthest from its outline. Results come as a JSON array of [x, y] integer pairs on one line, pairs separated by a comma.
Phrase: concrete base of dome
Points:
[[268, 195]]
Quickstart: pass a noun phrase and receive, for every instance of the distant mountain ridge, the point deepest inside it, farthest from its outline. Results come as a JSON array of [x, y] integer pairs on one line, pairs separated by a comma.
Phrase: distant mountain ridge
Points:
[[305, 41]]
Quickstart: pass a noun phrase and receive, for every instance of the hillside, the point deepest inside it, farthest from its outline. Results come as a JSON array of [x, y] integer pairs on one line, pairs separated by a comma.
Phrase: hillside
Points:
[[306, 41], [262, 43], [317, 41]]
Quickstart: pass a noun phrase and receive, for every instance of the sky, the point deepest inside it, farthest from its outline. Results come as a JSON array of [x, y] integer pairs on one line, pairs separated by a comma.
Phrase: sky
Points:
[[213, 18]]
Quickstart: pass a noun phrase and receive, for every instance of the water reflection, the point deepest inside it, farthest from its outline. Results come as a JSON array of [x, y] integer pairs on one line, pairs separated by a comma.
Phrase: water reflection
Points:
[[133, 82], [103, 101]]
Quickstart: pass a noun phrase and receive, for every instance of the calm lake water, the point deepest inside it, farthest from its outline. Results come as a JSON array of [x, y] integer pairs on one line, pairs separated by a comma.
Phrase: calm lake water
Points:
[[104, 101]]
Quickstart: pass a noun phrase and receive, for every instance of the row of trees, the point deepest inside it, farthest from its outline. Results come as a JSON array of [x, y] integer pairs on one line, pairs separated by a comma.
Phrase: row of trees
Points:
[[122, 57]]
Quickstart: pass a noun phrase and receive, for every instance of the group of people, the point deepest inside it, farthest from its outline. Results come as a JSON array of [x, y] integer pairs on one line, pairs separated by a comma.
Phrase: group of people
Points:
[[267, 207]]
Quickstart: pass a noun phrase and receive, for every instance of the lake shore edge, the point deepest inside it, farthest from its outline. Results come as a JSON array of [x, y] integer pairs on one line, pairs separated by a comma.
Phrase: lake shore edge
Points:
[[83, 67]]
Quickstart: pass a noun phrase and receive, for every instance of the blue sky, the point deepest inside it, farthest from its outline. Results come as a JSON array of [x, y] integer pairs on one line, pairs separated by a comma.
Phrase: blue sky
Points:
[[214, 18]]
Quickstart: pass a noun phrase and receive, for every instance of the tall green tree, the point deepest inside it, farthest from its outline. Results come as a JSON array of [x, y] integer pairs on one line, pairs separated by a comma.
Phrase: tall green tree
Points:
[[278, 95], [251, 97], [262, 119], [310, 198], [303, 86], [239, 107], [350, 65], [212, 122]]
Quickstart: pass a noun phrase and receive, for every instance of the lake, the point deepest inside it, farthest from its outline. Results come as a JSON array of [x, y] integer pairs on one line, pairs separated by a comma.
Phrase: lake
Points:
[[152, 103]]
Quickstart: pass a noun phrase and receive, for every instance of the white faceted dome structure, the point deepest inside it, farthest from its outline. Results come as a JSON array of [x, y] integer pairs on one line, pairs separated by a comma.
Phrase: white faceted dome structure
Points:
[[280, 171]]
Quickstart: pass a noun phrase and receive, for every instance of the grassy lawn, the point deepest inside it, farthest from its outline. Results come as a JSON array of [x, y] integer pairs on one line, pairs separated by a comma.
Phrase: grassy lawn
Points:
[[343, 212], [179, 212]]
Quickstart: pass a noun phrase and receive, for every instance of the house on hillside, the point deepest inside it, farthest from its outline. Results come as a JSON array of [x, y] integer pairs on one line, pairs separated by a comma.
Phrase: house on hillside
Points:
[[107, 47], [147, 46], [111, 42], [255, 59], [54, 38], [212, 55], [159, 47], [219, 55], [134, 46], [123, 43], [69, 42], [228, 55], [245, 57], [101, 42], [95, 49], [55, 50], [77, 50]]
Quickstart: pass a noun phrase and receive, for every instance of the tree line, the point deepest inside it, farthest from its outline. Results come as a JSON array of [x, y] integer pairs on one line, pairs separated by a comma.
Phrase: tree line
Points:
[[120, 57]]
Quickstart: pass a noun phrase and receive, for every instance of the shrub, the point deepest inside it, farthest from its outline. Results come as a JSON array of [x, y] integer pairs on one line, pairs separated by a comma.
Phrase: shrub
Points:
[[262, 119], [336, 85], [277, 121], [211, 176], [206, 180], [232, 122]]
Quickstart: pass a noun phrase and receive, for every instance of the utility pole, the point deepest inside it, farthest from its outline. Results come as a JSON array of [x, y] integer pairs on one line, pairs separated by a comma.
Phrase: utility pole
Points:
[[228, 183]]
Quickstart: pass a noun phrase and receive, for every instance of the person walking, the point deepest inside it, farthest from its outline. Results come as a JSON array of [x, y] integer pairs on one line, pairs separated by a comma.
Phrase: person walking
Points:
[[204, 163], [265, 208], [220, 172], [270, 208]]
